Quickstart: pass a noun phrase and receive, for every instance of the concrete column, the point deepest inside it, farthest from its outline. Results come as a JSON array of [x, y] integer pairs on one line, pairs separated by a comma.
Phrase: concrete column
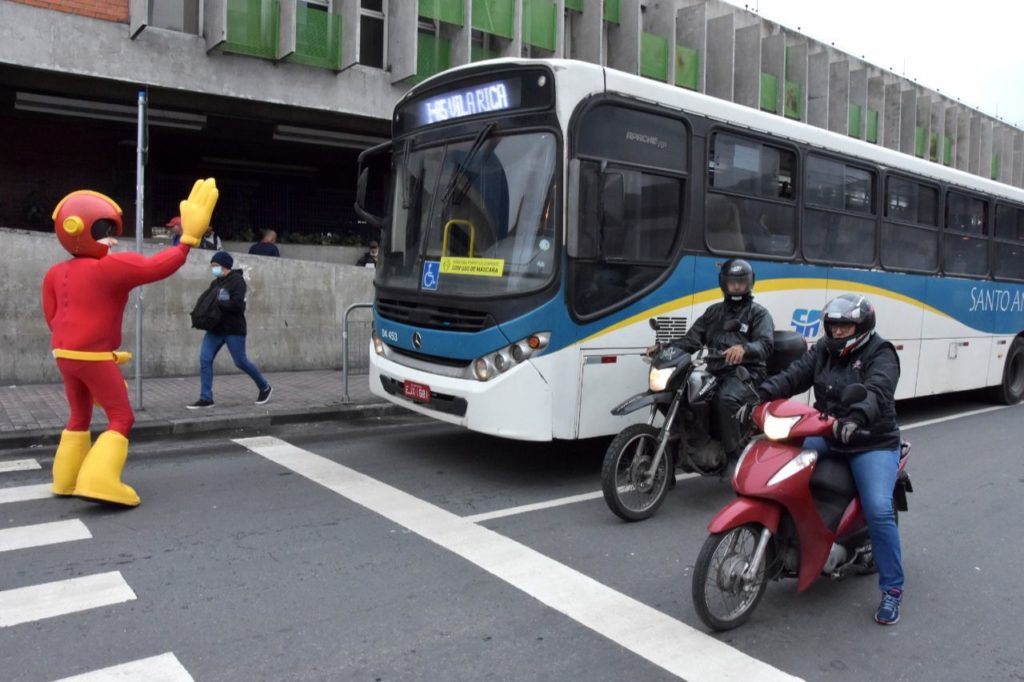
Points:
[[215, 22], [974, 161], [924, 119], [459, 37], [403, 20], [908, 120], [349, 13], [773, 62], [1018, 158], [876, 103], [747, 61], [985, 156], [796, 71], [624, 38], [838, 96], [937, 125], [559, 29], [817, 89], [138, 17], [721, 38], [962, 156], [588, 33], [691, 32], [286, 28], [892, 115], [952, 131], [1006, 155], [859, 97]]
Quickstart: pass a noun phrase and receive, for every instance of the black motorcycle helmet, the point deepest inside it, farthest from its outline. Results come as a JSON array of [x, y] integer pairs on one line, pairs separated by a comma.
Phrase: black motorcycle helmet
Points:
[[848, 309], [733, 270]]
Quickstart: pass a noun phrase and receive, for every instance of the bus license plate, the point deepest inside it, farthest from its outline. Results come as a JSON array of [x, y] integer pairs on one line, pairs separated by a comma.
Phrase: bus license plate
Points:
[[418, 392]]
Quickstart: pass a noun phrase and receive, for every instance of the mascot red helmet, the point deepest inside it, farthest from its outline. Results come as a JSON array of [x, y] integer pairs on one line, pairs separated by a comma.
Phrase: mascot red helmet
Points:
[[84, 217]]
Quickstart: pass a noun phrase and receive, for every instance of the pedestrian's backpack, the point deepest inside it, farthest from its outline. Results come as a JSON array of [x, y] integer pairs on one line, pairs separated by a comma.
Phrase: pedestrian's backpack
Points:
[[207, 313]]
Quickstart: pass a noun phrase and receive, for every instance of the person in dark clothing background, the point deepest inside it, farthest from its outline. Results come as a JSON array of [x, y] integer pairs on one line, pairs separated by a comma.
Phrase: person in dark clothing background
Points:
[[230, 330], [852, 353], [371, 258], [749, 345], [267, 245]]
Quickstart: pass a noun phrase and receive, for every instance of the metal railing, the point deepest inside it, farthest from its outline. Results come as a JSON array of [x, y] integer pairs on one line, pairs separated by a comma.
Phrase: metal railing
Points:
[[364, 336]]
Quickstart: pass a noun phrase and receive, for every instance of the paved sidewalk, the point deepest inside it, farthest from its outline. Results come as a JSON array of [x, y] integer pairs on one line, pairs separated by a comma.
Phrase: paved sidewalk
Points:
[[36, 414]]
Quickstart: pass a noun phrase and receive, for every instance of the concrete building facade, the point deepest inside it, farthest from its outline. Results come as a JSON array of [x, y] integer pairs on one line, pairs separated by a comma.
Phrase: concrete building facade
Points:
[[277, 97]]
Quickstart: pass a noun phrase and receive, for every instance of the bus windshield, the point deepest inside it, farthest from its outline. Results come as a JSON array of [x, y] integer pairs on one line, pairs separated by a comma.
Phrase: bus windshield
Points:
[[474, 217]]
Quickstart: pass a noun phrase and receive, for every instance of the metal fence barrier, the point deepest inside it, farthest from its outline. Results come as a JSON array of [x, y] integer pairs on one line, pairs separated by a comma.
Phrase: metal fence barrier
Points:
[[360, 331]]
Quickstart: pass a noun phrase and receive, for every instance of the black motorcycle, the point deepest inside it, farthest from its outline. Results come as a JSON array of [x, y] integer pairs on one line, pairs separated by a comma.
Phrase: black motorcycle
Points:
[[640, 463]]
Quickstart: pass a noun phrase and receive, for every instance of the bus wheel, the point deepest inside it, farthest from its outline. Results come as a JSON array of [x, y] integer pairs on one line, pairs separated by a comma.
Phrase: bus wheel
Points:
[[1011, 391]]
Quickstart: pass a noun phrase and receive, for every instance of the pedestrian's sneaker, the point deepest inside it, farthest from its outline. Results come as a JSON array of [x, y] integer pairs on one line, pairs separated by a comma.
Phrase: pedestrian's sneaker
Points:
[[200, 404], [888, 612], [264, 397]]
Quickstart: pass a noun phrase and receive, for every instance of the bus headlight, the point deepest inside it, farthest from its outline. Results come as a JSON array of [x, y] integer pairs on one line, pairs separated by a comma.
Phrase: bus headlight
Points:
[[378, 345], [504, 359]]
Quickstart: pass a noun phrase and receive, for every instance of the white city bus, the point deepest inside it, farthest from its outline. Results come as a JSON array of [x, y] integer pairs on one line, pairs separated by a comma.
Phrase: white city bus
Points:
[[536, 214]]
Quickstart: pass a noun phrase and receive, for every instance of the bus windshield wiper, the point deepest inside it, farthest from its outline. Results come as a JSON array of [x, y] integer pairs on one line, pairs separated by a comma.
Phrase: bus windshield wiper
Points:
[[451, 194]]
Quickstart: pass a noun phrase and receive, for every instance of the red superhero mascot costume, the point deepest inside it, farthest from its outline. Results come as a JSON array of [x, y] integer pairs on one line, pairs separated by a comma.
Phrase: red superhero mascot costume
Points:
[[83, 300]]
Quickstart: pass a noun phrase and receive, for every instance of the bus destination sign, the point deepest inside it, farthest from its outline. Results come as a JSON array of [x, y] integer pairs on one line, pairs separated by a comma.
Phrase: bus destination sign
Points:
[[480, 99]]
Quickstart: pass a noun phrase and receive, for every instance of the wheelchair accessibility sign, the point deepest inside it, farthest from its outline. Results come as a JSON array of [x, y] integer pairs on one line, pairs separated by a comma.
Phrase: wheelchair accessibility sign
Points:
[[431, 273]]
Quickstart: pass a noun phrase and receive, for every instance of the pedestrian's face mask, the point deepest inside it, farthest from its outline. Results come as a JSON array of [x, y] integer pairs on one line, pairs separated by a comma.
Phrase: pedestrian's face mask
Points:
[[217, 270]]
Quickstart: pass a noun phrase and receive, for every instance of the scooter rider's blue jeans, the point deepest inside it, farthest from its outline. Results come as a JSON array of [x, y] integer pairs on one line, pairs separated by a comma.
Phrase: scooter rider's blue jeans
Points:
[[875, 473]]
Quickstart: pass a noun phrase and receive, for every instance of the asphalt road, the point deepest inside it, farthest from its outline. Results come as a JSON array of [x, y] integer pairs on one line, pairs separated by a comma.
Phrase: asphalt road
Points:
[[397, 550]]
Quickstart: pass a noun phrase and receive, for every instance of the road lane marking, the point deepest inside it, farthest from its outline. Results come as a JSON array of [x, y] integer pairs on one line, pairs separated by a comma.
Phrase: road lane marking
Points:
[[19, 465], [951, 417], [548, 504], [162, 668], [36, 602], [41, 534], [22, 493], [647, 632]]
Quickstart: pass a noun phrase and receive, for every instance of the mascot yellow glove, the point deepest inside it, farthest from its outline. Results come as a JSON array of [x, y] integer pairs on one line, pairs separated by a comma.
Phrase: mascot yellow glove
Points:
[[197, 210]]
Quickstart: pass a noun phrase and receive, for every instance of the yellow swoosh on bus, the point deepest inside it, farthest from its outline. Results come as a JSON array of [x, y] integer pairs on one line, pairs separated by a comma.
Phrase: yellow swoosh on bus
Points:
[[780, 284]]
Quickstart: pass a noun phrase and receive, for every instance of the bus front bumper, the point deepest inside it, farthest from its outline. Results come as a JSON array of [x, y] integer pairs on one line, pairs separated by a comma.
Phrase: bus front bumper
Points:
[[515, 405]]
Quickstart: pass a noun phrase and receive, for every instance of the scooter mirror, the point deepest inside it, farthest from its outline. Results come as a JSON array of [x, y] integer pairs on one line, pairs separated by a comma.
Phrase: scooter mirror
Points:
[[654, 323], [854, 393]]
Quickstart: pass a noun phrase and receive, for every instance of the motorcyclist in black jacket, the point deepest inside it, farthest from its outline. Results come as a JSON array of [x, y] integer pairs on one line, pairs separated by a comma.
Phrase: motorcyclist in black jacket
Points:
[[748, 342], [852, 353]]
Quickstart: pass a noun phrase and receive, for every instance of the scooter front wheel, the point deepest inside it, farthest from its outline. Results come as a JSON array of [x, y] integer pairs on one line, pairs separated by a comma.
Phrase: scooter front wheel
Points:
[[723, 597], [630, 488]]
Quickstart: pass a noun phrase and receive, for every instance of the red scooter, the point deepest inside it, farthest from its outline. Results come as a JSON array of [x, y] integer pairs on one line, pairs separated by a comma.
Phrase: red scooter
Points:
[[795, 516]]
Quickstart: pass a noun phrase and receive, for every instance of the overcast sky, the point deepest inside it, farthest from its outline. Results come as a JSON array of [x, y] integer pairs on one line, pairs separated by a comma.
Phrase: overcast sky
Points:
[[972, 49]]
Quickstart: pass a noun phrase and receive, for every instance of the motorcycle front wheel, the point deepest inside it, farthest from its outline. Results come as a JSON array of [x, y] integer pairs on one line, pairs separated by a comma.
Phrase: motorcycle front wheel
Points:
[[630, 492], [723, 598]]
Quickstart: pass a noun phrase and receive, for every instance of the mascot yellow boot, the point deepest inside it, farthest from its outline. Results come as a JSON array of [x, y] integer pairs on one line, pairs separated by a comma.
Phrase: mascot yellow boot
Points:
[[100, 477], [73, 447]]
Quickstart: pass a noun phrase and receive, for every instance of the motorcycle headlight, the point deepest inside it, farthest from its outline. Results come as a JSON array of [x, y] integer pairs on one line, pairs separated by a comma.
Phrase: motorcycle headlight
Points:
[[778, 428], [657, 380], [805, 459]]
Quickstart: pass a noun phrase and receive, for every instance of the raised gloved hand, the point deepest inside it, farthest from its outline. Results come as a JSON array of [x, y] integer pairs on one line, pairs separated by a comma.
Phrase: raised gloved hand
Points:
[[197, 210], [843, 429]]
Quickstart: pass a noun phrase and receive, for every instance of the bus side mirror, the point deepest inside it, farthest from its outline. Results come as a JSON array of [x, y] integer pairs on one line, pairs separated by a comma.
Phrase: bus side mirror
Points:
[[373, 184]]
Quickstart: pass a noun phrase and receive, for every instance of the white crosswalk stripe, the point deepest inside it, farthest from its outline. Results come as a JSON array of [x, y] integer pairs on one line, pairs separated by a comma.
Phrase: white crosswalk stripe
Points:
[[19, 465], [24, 493], [26, 604], [39, 534], [162, 668]]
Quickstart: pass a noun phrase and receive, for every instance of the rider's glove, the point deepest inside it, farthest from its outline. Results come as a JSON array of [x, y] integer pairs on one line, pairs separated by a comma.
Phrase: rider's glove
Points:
[[843, 429]]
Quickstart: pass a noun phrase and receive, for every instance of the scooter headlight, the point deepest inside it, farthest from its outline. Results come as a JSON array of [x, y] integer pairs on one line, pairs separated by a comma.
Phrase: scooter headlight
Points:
[[657, 380], [805, 459], [778, 428]]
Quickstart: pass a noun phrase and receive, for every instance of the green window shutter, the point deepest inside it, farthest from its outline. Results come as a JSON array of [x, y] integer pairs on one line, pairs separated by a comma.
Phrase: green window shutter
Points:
[[576, 5], [793, 107], [612, 11], [947, 151], [687, 67], [477, 53], [433, 55], [853, 124], [496, 17], [995, 166], [653, 56], [317, 37], [769, 93], [539, 20], [252, 28], [920, 141], [872, 127], [448, 11]]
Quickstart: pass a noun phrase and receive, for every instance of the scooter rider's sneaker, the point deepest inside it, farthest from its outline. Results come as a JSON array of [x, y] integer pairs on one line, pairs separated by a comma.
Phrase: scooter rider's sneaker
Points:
[[888, 612]]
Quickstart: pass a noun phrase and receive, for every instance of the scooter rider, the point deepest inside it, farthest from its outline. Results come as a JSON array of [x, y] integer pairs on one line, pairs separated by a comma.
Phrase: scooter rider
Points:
[[852, 353], [748, 343]]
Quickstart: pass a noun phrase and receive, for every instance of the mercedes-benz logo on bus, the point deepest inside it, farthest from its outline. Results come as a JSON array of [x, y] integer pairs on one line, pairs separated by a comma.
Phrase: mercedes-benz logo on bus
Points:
[[417, 340]]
